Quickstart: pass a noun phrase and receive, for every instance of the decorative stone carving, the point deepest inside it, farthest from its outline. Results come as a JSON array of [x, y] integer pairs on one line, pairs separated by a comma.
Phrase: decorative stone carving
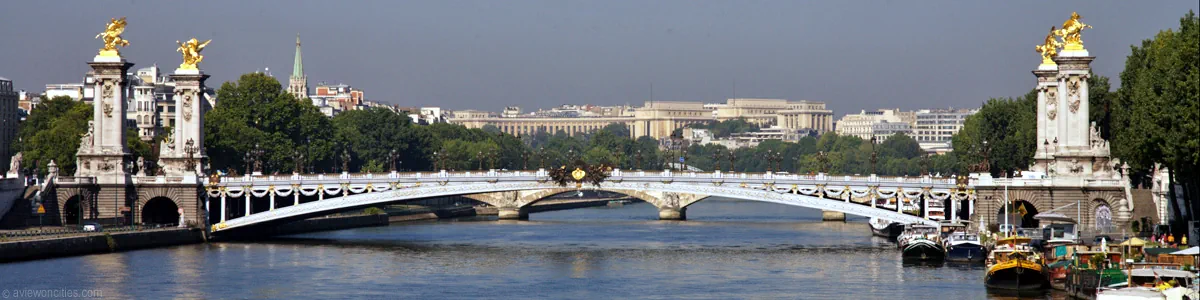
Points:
[[107, 91], [14, 168], [141, 165], [1076, 167], [1073, 94], [89, 137], [187, 107]]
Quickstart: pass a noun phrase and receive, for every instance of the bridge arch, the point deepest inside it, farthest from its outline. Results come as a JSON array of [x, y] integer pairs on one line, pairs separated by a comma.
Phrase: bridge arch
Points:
[[71, 209], [160, 210], [508, 195]]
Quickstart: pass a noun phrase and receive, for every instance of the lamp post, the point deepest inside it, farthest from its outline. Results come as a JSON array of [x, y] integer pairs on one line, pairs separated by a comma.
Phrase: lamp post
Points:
[[298, 161], [874, 156], [731, 158], [823, 162], [345, 161], [492, 159], [190, 149], [542, 156], [257, 154], [393, 157], [525, 159], [479, 157], [249, 159], [638, 156], [676, 141], [770, 157], [716, 160]]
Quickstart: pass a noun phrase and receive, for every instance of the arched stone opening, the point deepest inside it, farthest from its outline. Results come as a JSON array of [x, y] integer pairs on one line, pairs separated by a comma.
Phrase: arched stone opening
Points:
[[160, 210], [1019, 214], [71, 210], [1102, 216]]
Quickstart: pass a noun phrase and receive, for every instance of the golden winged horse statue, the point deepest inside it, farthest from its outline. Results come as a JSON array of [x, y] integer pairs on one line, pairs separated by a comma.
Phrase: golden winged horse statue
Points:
[[112, 37], [191, 53]]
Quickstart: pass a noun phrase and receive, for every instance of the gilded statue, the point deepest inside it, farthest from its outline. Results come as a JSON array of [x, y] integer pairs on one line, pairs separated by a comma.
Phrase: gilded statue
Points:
[[191, 53], [112, 37], [1070, 32], [1049, 48]]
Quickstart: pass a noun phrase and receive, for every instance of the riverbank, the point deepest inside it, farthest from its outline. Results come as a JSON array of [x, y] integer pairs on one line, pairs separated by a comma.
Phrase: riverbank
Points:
[[91, 243], [18, 248]]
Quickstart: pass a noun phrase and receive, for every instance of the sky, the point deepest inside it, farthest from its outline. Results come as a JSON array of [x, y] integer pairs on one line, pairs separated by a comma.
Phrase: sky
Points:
[[852, 55]]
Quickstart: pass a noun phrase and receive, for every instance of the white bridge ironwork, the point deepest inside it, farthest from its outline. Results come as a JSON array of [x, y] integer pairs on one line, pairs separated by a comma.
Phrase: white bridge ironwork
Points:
[[889, 198]]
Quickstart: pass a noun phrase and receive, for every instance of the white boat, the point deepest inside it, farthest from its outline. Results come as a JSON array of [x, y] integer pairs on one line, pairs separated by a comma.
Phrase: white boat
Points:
[[921, 242], [885, 228], [964, 247], [1147, 284]]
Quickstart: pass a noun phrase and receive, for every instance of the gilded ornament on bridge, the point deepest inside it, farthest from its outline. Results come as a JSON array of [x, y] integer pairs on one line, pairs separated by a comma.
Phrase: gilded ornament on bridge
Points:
[[578, 174], [1070, 32], [1049, 48], [112, 38], [191, 53]]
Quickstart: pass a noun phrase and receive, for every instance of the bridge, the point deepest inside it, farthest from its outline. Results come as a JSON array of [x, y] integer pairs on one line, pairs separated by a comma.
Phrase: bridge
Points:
[[295, 197]]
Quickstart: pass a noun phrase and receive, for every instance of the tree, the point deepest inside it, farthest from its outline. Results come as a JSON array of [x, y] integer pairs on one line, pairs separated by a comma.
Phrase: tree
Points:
[[52, 132], [256, 110], [1156, 112], [372, 134], [1008, 127]]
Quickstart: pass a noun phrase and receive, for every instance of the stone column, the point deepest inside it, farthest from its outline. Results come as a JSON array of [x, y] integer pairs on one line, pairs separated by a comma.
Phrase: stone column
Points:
[[102, 151], [1048, 110], [829, 215], [513, 213], [1073, 71], [672, 213], [190, 106]]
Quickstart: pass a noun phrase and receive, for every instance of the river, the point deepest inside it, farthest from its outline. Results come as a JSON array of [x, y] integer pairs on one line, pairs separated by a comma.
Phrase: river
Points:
[[725, 250]]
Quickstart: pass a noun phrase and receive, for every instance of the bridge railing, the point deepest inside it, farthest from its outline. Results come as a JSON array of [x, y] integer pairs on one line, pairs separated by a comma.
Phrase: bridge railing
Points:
[[524, 175]]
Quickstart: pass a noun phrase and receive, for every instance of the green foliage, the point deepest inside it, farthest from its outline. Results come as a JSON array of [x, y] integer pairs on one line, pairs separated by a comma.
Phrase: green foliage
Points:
[[52, 132], [374, 211], [372, 134], [1156, 111], [256, 110], [725, 128], [1009, 127]]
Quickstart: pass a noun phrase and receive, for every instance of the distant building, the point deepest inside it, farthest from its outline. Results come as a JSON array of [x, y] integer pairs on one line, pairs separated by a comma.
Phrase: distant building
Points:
[[428, 115], [863, 123], [27, 101], [341, 97], [76, 91], [8, 121], [935, 127], [766, 112], [511, 112], [883, 129]]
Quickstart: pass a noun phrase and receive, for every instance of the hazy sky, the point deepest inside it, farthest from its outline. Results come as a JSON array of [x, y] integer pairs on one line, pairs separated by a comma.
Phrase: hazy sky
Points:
[[488, 54]]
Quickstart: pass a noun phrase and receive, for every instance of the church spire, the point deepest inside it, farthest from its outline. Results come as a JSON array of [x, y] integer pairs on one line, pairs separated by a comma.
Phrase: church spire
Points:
[[298, 66], [298, 83]]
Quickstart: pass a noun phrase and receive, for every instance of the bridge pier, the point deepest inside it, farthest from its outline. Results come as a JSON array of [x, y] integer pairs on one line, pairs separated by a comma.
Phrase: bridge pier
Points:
[[513, 213], [675, 214], [829, 215]]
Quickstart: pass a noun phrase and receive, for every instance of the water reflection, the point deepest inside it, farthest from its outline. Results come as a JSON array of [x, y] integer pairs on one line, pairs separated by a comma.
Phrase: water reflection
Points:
[[727, 250]]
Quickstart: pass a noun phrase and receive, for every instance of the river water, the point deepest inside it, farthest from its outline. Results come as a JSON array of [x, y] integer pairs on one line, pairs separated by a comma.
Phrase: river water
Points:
[[725, 250]]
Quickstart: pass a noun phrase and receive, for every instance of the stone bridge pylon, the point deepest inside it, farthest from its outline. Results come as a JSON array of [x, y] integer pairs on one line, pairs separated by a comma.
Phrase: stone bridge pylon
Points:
[[515, 204]]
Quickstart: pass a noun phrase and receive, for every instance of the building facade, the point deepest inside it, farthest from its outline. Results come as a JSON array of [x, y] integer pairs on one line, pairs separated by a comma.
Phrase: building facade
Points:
[[936, 127], [8, 121], [863, 123]]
